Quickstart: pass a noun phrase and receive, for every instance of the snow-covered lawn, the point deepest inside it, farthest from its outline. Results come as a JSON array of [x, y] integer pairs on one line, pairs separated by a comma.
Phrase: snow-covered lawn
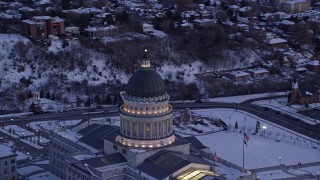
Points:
[[29, 169], [51, 125], [280, 104], [240, 99], [43, 176], [16, 131], [275, 174], [264, 149]]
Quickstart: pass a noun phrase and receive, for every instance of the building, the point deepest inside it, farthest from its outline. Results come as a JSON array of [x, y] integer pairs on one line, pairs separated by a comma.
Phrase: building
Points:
[[238, 75], [144, 146], [258, 72], [147, 27], [8, 163], [101, 32], [306, 95], [39, 27], [313, 66], [295, 6]]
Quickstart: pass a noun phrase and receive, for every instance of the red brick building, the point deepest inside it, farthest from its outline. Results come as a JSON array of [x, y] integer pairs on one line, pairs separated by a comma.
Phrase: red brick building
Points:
[[313, 66], [39, 27], [306, 95]]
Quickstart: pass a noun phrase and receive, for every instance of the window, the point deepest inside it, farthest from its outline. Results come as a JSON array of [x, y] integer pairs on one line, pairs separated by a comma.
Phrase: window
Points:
[[13, 161], [13, 168], [5, 171], [5, 163], [115, 147]]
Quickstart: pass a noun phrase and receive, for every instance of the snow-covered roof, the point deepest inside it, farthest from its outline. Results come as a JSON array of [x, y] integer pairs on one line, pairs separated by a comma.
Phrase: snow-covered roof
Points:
[[84, 10], [295, 1], [94, 29], [258, 70], [6, 151], [234, 7], [314, 63], [239, 73], [287, 22], [276, 41], [41, 17]]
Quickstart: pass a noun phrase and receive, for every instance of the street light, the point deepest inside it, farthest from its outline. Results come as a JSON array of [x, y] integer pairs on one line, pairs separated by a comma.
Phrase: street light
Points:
[[280, 160], [264, 131]]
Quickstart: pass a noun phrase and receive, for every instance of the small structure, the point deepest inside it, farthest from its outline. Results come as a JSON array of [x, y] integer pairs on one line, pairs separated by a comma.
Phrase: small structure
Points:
[[258, 72], [295, 6], [36, 96], [238, 75], [186, 116], [101, 32], [147, 27], [313, 66]]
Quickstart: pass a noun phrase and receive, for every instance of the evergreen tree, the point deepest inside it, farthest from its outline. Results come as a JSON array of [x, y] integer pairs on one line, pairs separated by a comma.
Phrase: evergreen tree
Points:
[[257, 126], [87, 103], [41, 94], [78, 101], [115, 100], [53, 97], [29, 94], [97, 99], [32, 107], [289, 97], [108, 100], [236, 125], [48, 95], [65, 4]]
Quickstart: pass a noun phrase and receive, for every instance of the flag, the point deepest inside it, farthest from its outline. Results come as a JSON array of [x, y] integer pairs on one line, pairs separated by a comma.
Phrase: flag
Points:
[[215, 157], [245, 138]]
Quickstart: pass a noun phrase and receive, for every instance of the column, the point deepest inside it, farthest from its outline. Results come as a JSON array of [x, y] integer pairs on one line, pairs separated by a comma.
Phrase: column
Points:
[[151, 131], [131, 129]]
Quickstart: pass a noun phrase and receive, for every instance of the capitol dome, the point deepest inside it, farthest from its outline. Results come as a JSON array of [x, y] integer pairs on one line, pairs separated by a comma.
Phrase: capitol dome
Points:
[[146, 83]]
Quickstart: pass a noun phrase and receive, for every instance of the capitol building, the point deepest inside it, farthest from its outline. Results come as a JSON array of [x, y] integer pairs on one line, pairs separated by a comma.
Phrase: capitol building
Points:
[[144, 146]]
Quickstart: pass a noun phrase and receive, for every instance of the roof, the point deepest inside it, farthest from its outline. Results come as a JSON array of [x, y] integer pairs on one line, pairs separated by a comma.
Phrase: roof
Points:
[[145, 83], [239, 73], [165, 163], [258, 70], [309, 91], [276, 41], [101, 161], [94, 134], [314, 63], [6, 152], [195, 143]]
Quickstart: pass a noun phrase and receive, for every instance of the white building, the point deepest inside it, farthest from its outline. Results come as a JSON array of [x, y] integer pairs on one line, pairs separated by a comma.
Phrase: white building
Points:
[[8, 163], [147, 27]]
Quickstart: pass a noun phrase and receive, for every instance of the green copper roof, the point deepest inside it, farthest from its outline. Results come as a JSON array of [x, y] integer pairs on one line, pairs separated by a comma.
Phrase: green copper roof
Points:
[[145, 83]]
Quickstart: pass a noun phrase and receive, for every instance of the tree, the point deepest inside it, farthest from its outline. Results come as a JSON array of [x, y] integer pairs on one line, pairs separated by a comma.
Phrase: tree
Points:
[[29, 94], [108, 100], [78, 101], [48, 95], [97, 99], [87, 103], [257, 126], [41, 94], [65, 4], [289, 97], [53, 97], [115, 100], [236, 125]]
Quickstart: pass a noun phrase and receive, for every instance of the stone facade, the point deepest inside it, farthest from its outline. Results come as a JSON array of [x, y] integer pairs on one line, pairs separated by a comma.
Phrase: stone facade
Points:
[[8, 165]]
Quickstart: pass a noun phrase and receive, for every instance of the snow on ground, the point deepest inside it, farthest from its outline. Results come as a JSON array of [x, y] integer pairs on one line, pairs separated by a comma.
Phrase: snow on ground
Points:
[[275, 174], [43, 176], [46, 104], [260, 152], [280, 104], [314, 170], [15, 115], [52, 125], [264, 149], [185, 71], [240, 99], [29, 169], [33, 144], [16, 131]]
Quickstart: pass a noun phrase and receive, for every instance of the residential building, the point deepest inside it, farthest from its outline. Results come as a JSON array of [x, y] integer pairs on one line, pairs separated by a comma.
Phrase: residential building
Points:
[[238, 75], [8, 163], [39, 27], [306, 95], [258, 72], [295, 6], [313, 66], [101, 32]]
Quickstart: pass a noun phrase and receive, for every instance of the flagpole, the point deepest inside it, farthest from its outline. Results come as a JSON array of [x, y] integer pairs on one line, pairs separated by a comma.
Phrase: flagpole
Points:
[[243, 150]]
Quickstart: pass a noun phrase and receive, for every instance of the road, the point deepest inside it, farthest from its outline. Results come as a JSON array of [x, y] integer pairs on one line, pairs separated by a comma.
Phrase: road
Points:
[[272, 116]]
